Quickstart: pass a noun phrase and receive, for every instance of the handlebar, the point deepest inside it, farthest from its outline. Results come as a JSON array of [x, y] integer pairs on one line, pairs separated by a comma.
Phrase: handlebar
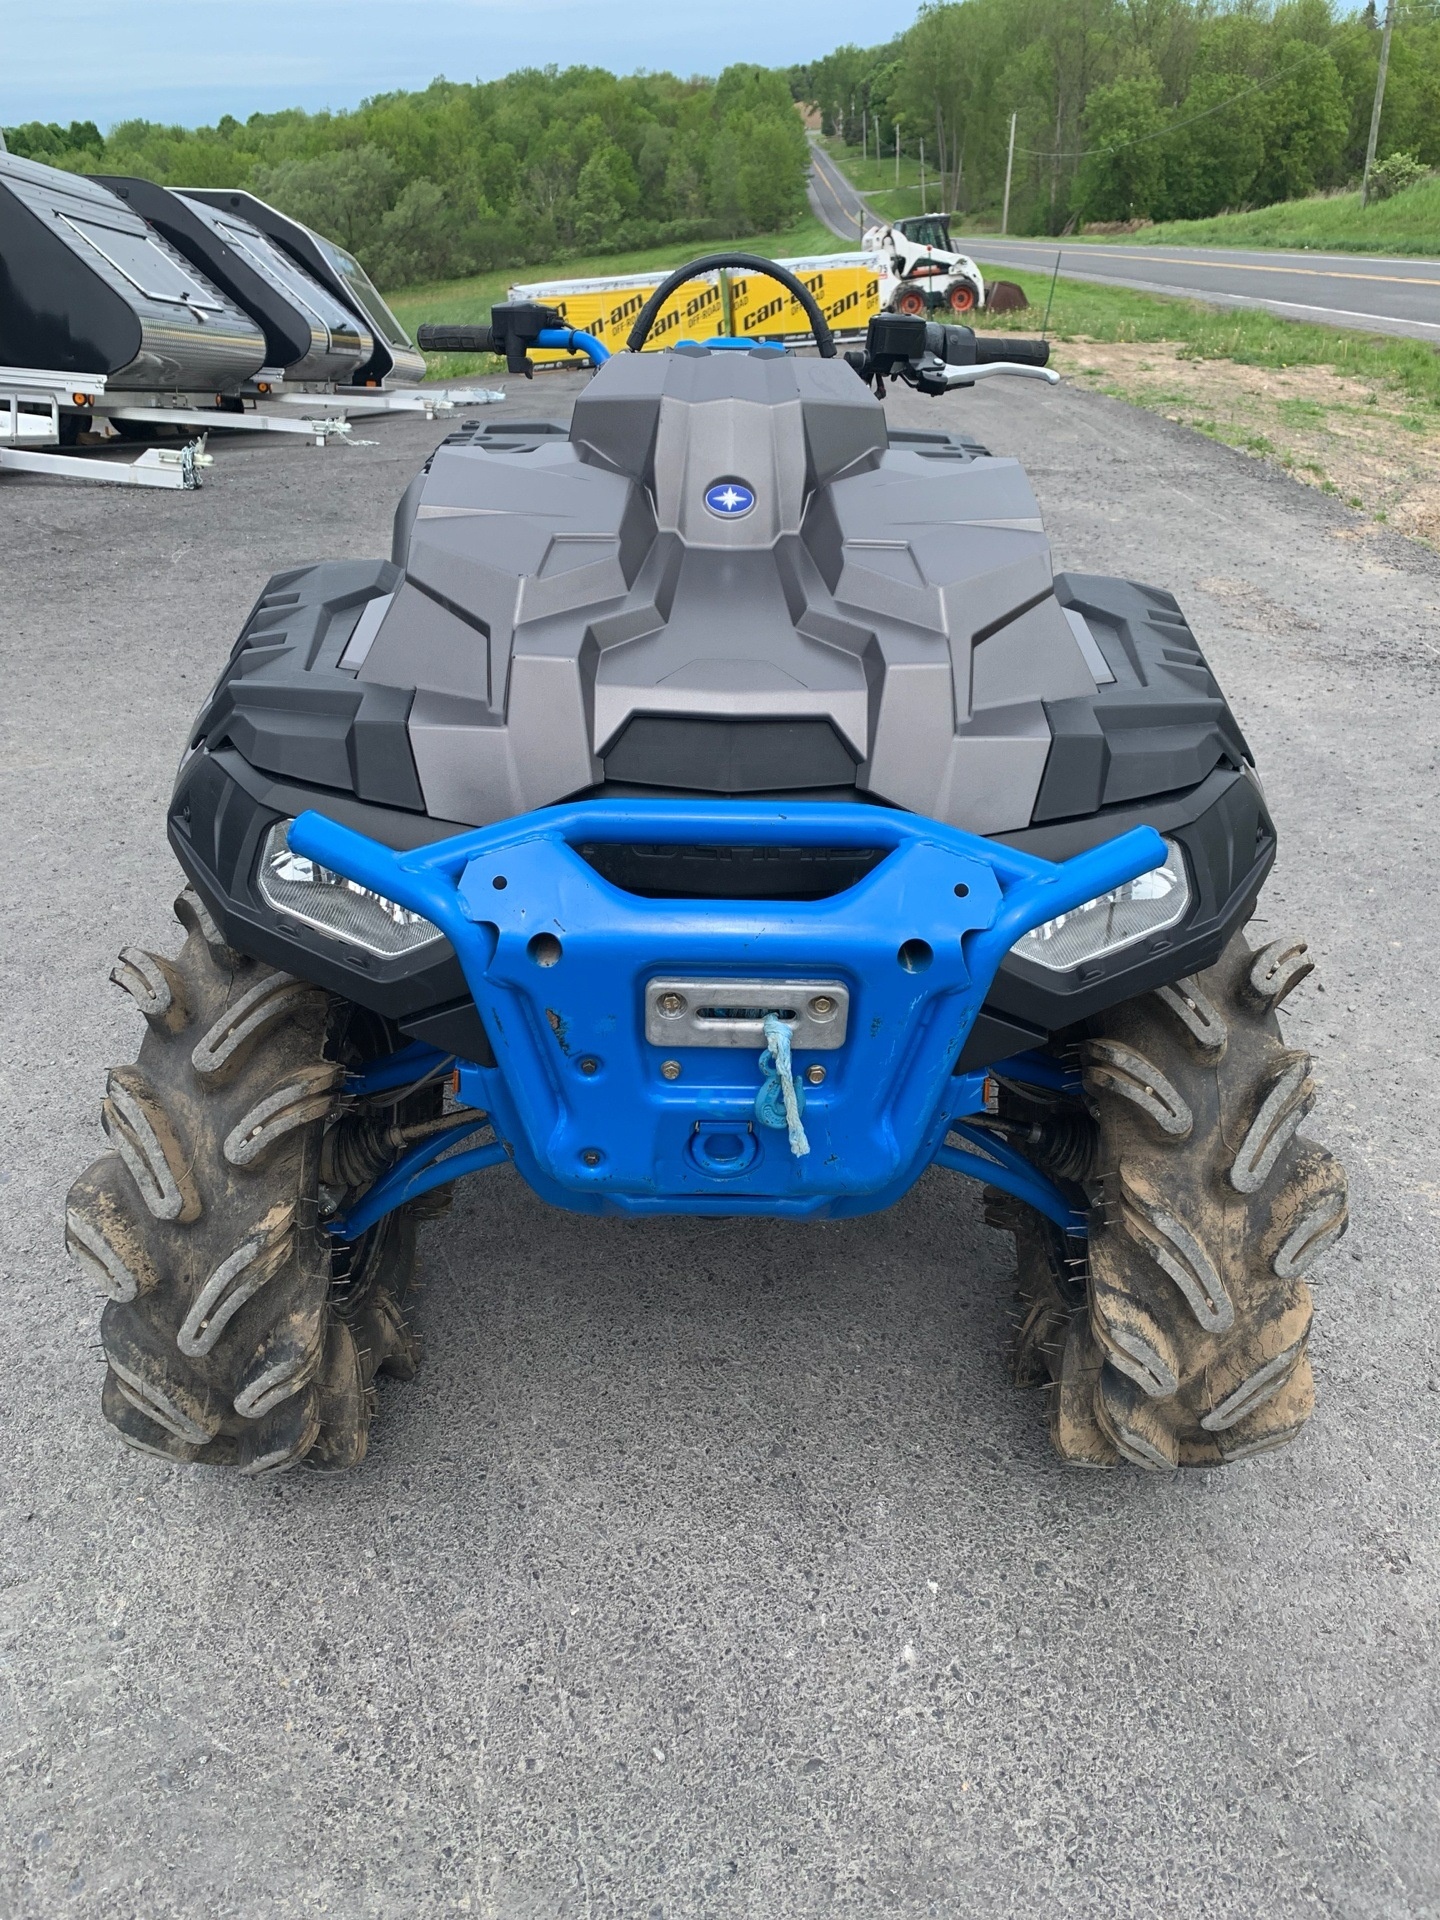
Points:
[[456, 340], [1020, 353], [513, 329], [933, 359]]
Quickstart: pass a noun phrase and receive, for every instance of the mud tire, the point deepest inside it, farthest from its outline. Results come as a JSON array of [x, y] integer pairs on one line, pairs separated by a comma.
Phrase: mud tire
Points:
[[1179, 1337], [236, 1333]]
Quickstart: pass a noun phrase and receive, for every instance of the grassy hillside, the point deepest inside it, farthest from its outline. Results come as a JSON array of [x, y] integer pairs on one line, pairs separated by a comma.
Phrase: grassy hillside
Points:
[[1332, 222], [876, 178], [468, 302], [1323, 223]]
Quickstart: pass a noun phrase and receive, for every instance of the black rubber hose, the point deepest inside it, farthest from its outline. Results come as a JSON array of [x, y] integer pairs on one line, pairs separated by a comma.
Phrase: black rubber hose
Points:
[[456, 340], [1023, 353], [752, 263]]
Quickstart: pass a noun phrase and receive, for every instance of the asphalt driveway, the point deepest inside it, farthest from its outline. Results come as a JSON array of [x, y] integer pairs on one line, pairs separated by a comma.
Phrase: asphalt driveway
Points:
[[708, 1568]]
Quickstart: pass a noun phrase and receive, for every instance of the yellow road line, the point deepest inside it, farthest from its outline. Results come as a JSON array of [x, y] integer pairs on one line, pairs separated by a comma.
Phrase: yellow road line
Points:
[[1254, 266]]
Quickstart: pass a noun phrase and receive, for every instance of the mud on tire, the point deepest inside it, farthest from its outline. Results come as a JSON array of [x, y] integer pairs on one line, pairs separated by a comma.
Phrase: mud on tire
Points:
[[1178, 1338], [235, 1332]]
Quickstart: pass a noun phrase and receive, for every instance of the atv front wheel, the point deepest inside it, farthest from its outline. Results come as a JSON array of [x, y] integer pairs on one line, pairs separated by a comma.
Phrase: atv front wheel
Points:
[[1179, 1337], [237, 1332]]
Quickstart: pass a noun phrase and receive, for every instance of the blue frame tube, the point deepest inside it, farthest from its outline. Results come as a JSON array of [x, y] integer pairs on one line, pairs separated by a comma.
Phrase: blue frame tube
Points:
[[415, 1062], [1012, 1173], [417, 1172], [571, 340], [556, 958]]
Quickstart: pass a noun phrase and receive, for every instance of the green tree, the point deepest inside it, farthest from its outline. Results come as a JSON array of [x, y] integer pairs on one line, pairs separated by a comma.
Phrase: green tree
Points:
[[1212, 157], [344, 195], [1305, 124], [605, 195], [1122, 175]]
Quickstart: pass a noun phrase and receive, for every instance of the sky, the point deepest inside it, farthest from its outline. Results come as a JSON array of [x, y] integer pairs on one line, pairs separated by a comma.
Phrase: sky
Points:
[[189, 61]]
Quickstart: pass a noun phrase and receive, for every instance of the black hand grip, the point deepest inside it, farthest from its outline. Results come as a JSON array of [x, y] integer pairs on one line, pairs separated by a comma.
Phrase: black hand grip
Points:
[[1022, 353], [456, 340]]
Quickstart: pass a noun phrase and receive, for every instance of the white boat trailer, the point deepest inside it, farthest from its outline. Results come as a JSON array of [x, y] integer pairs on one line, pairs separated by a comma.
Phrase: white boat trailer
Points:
[[34, 402], [31, 407]]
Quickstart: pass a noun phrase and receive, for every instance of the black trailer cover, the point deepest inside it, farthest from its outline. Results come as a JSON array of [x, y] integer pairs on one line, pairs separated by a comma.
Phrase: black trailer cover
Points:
[[87, 287], [309, 334], [395, 362]]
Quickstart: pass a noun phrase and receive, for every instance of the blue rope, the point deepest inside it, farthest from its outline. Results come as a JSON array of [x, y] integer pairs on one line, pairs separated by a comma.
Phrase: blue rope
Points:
[[780, 1103]]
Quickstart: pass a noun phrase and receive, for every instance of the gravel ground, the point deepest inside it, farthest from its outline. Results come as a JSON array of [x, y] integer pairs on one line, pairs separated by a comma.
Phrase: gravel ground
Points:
[[715, 1569]]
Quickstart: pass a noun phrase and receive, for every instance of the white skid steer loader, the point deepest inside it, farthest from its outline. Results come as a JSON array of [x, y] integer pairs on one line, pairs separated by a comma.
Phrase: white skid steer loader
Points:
[[925, 273]]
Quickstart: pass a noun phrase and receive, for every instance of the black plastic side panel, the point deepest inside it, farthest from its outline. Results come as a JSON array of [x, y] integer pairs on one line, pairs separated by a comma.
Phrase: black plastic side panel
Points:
[[292, 710], [457, 1029], [1159, 727], [992, 1038]]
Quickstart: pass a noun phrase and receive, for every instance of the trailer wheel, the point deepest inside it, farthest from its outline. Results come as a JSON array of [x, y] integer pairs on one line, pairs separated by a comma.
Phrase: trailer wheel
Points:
[[962, 297], [1178, 1337], [237, 1333], [911, 301]]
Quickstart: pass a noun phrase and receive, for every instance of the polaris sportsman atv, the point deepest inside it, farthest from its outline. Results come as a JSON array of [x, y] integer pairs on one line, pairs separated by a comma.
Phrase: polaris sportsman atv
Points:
[[717, 807]]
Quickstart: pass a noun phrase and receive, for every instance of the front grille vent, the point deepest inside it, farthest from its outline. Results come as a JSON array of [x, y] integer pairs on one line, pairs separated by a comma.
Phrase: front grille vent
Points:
[[732, 873]]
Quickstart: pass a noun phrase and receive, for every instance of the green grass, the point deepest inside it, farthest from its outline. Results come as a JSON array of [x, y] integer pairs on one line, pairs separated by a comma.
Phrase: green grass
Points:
[[1252, 338], [468, 302], [1328, 223]]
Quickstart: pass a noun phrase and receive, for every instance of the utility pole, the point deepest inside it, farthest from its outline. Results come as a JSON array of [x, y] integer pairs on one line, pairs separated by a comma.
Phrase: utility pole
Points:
[[863, 136], [897, 153], [1379, 100], [877, 139], [923, 207], [1009, 169]]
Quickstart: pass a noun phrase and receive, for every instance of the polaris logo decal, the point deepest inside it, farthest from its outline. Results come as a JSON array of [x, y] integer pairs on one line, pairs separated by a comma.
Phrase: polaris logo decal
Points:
[[729, 499]]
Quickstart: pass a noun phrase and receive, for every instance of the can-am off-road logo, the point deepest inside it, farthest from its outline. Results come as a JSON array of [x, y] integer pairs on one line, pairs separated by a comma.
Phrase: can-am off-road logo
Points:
[[729, 499]]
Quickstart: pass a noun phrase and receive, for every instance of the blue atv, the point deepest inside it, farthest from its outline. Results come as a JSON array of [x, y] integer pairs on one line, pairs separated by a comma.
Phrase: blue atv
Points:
[[716, 806]]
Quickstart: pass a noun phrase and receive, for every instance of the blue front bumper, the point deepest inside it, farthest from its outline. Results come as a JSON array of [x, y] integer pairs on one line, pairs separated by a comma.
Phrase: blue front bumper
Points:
[[558, 960]]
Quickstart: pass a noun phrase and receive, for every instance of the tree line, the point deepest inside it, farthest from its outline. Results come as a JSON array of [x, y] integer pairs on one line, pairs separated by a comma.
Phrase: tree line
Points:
[[457, 178], [1124, 110], [1137, 109]]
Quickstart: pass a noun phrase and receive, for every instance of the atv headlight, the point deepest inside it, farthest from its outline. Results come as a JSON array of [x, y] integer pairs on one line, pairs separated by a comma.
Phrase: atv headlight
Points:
[[1113, 920], [300, 890]]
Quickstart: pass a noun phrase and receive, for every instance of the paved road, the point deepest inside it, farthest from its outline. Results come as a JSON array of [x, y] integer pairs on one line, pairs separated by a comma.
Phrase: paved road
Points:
[[833, 199], [1384, 295], [712, 1571]]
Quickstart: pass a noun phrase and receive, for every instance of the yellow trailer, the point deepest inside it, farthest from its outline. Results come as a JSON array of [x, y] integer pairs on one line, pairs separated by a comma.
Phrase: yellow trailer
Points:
[[846, 287], [746, 305]]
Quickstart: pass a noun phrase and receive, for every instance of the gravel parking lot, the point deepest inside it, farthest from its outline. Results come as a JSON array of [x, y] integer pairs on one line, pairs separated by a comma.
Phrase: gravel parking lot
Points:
[[709, 1568]]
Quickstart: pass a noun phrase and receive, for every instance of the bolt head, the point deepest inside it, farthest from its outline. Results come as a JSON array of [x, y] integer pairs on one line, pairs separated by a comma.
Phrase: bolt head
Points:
[[591, 1156], [815, 1074], [822, 1006], [589, 1065], [670, 1069], [671, 1003]]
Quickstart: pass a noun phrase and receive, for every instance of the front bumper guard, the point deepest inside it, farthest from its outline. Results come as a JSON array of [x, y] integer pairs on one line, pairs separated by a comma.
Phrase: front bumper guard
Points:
[[597, 1118]]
